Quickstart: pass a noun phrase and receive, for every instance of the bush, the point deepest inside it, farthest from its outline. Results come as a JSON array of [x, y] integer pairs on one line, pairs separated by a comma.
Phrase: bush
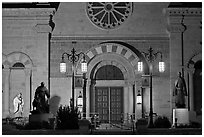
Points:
[[191, 125], [162, 122], [67, 118]]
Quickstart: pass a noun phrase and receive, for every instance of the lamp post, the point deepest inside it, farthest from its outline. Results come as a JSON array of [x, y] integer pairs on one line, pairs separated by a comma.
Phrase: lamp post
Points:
[[73, 58], [150, 56], [84, 95]]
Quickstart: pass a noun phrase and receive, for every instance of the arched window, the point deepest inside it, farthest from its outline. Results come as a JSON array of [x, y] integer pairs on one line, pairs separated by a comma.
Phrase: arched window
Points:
[[18, 65], [109, 72]]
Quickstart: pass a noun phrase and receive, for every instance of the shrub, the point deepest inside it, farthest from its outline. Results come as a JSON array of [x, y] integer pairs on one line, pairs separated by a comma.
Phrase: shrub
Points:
[[162, 122], [67, 118]]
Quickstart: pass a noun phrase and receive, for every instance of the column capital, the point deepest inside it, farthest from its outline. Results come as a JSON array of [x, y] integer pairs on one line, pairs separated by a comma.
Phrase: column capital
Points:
[[27, 72], [190, 70], [6, 70]]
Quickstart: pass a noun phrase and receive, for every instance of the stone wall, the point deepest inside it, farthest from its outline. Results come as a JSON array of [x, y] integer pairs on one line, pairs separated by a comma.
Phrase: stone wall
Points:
[[26, 31]]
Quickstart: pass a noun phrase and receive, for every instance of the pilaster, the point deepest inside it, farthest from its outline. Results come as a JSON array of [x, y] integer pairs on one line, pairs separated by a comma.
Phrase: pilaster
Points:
[[6, 92]]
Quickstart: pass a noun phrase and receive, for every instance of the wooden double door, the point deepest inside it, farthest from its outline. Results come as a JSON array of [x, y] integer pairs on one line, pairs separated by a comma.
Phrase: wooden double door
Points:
[[109, 104]]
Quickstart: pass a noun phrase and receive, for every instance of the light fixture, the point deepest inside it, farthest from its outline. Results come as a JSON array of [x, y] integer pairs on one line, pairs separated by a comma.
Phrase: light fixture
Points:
[[83, 66], [80, 100], [161, 66], [139, 98], [140, 66], [62, 66]]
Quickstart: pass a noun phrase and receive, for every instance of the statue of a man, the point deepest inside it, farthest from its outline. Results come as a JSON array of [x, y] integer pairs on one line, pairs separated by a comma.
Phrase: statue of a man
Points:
[[40, 102], [180, 91]]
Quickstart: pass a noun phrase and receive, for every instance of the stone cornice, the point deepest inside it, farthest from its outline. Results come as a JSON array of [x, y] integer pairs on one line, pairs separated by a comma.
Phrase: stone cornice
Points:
[[126, 38], [184, 11], [30, 13]]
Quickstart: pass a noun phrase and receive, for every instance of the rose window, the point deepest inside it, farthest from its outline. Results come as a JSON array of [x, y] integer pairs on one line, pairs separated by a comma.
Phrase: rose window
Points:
[[109, 15]]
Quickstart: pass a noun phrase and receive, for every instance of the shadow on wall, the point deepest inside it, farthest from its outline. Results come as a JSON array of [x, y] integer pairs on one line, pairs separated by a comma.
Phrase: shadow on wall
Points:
[[54, 104]]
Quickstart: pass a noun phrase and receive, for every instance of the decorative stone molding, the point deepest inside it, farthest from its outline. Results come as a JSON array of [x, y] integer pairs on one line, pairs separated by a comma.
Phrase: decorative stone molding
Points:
[[14, 57], [193, 20], [196, 57], [43, 28], [113, 48], [27, 12], [176, 28], [150, 37], [184, 11], [114, 63]]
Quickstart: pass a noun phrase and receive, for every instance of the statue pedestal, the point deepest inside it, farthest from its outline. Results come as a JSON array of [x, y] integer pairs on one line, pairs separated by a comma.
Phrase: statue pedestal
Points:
[[180, 116], [40, 117]]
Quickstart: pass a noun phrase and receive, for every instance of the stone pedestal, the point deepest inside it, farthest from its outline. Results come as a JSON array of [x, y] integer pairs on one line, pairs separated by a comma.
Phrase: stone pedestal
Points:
[[141, 123], [84, 124], [180, 116], [40, 117]]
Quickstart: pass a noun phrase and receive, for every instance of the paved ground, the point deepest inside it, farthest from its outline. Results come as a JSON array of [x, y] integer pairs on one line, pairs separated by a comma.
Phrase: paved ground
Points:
[[8, 129]]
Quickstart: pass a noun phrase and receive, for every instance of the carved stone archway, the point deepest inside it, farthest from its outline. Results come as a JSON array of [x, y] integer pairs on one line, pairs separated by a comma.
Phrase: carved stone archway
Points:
[[120, 55]]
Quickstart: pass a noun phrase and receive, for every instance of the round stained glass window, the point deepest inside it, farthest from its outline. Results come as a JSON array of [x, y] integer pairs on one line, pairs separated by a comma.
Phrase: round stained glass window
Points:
[[108, 15]]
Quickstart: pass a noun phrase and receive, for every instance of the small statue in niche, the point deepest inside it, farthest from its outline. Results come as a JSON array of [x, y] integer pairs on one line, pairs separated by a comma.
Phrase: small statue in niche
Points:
[[18, 105], [180, 91], [41, 99]]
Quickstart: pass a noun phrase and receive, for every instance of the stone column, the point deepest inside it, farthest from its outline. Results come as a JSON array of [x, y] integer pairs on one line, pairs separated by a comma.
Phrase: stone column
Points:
[[191, 89], [88, 90], [27, 100], [92, 96], [130, 94], [7, 72], [125, 103]]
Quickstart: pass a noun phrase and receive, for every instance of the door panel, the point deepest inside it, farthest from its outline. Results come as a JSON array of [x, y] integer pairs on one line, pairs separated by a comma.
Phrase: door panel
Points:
[[116, 106], [109, 104], [102, 103]]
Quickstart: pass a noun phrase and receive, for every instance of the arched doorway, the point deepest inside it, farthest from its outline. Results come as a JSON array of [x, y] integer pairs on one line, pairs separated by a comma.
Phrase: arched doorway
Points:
[[124, 57], [109, 98], [195, 86], [197, 82]]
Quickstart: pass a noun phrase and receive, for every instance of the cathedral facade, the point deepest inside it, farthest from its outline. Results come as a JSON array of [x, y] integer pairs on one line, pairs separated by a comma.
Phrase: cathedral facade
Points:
[[114, 36]]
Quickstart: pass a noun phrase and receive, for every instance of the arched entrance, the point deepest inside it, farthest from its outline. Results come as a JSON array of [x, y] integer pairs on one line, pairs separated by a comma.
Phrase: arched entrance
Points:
[[197, 82], [108, 97], [102, 60], [195, 85]]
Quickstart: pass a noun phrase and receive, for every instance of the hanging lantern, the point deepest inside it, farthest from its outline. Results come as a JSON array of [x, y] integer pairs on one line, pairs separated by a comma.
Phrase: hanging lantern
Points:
[[80, 100], [83, 66], [140, 66], [62, 66], [139, 98], [161, 66]]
